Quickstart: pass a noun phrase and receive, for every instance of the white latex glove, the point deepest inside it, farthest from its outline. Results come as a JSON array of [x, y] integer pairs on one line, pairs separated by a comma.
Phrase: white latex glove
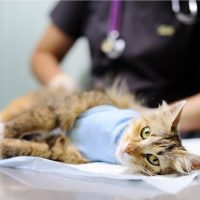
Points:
[[62, 80]]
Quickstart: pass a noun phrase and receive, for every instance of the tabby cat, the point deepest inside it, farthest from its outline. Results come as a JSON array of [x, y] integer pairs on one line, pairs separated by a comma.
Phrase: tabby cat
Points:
[[149, 143]]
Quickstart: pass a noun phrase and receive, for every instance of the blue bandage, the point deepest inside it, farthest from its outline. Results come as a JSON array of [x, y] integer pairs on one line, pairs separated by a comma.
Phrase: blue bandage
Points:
[[98, 131]]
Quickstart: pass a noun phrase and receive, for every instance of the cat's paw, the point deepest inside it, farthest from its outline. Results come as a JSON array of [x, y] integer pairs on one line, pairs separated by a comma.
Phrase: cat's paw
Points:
[[12, 147], [2, 126], [6, 148]]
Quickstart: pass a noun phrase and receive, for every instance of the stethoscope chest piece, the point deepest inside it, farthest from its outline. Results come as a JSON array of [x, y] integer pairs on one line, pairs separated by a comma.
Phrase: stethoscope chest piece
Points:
[[189, 18], [112, 45]]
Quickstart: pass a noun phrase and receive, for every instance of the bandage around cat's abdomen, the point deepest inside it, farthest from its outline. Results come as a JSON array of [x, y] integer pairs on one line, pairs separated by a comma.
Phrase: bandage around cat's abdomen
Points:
[[98, 131]]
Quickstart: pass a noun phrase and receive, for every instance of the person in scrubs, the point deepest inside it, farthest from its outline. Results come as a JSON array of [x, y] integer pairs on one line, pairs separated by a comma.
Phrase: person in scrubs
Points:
[[152, 45]]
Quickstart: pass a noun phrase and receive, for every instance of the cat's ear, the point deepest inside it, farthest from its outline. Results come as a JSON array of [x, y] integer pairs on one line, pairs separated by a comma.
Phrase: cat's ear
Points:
[[187, 162], [176, 110]]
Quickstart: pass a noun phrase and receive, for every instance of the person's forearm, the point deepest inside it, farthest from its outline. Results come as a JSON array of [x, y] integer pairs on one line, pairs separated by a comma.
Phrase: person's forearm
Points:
[[190, 119], [44, 66], [49, 52]]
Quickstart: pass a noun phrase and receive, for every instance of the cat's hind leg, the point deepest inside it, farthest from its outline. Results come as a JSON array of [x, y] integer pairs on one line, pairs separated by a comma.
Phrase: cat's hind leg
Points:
[[41, 120], [18, 106]]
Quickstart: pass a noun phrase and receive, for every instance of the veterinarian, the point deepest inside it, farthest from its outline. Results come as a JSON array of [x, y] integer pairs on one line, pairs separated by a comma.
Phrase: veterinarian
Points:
[[154, 46]]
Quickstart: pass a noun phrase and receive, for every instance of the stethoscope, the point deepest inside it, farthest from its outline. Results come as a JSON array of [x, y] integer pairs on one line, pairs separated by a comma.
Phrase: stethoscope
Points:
[[189, 18], [114, 45]]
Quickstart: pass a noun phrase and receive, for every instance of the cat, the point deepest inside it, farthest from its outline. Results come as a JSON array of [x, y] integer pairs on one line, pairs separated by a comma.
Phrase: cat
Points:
[[149, 144]]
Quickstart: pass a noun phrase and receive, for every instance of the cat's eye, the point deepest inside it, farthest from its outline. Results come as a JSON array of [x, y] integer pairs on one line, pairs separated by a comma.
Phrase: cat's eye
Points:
[[145, 132], [153, 159]]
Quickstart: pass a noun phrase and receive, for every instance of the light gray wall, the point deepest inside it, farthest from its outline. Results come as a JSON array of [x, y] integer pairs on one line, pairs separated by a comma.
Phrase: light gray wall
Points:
[[21, 25]]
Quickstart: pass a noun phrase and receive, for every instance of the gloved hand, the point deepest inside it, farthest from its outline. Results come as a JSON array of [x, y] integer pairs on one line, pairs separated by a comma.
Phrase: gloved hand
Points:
[[62, 80]]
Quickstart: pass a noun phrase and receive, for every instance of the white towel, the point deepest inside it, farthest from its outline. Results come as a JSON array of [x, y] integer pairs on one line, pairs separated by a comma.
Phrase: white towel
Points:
[[169, 184]]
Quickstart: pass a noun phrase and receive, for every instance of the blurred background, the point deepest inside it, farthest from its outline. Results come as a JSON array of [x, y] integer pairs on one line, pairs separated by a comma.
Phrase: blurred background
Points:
[[21, 25]]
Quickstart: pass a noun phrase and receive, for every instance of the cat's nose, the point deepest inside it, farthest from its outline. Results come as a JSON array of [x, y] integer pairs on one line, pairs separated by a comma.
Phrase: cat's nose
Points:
[[132, 150]]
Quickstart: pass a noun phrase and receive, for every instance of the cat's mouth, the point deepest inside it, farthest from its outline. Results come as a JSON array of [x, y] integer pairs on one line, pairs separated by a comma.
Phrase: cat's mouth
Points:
[[123, 156]]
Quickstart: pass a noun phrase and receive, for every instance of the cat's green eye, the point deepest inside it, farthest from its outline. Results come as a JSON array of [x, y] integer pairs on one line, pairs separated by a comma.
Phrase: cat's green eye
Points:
[[145, 132], [153, 159]]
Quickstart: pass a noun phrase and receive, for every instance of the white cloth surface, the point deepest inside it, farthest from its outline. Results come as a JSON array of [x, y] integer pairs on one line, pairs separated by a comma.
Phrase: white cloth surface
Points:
[[169, 184]]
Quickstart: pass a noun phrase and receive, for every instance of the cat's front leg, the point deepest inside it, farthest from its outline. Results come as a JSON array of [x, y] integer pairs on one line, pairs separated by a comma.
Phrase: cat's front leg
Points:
[[10, 147], [56, 148], [74, 105], [63, 150], [41, 120]]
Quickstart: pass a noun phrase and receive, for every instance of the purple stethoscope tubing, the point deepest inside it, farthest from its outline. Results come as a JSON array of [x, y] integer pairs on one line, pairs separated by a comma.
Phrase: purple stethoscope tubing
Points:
[[113, 46], [114, 15]]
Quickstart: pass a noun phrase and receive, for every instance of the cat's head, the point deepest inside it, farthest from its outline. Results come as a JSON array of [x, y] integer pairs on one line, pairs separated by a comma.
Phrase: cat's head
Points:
[[152, 145]]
